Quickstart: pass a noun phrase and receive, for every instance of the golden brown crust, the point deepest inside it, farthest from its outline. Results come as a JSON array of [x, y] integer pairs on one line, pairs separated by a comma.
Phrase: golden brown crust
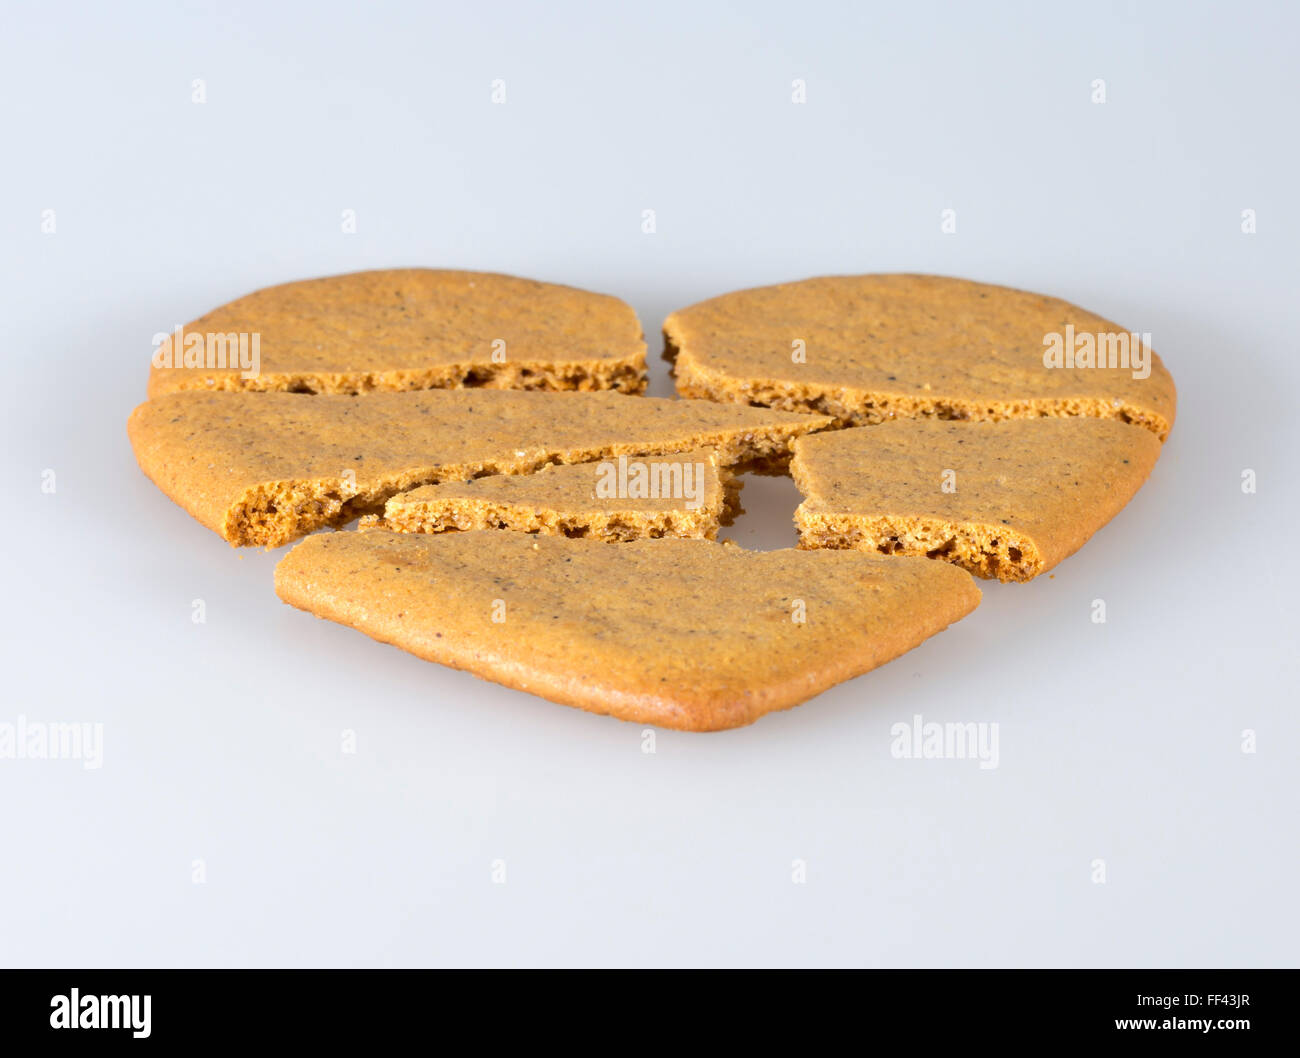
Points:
[[879, 347], [265, 468], [686, 634], [417, 328], [1008, 500]]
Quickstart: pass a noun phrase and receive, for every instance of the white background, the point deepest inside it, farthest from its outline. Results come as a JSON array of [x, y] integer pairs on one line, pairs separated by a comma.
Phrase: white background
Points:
[[222, 740]]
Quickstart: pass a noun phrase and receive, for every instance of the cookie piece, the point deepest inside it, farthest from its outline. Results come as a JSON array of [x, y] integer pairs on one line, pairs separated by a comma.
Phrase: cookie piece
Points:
[[866, 349], [265, 468], [615, 500], [688, 634], [1001, 499], [404, 329]]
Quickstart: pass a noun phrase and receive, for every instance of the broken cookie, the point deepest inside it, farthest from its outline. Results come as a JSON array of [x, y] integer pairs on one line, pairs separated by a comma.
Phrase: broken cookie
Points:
[[687, 634], [618, 499], [405, 329], [867, 349], [266, 468], [1004, 500]]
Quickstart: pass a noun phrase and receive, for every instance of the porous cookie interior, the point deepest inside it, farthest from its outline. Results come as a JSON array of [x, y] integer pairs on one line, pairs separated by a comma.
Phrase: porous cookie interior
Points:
[[688, 495], [988, 551]]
